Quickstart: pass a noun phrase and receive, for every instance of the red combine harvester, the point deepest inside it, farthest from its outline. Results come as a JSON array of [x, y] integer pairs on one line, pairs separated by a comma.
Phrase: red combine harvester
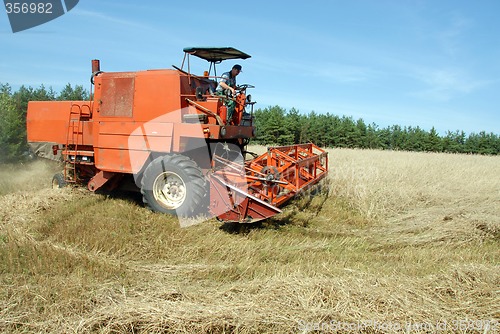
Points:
[[166, 133]]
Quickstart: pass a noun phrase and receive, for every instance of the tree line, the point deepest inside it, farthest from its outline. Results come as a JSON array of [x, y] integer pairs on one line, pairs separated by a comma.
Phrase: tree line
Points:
[[275, 126], [13, 107]]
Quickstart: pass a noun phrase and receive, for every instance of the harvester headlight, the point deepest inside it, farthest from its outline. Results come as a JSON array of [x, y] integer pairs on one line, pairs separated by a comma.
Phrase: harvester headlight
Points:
[[223, 131]]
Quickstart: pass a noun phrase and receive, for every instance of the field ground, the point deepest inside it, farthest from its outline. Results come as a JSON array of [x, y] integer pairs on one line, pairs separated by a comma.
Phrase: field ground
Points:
[[396, 241]]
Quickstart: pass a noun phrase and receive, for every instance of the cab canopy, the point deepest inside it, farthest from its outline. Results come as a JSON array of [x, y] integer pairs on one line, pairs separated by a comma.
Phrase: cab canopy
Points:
[[214, 55]]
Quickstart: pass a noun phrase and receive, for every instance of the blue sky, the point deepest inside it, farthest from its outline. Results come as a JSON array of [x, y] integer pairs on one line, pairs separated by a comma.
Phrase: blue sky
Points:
[[412, 63]]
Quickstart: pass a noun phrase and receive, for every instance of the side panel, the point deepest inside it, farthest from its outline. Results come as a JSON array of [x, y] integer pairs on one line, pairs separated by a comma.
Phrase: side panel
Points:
[[157, 93], [117, 96], [48, 122], [135, 116], [120, 161], [125, 146]]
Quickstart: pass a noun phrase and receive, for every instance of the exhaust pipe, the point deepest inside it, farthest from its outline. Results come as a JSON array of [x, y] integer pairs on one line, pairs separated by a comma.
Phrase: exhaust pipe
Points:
[[96, 69], [96, 65]]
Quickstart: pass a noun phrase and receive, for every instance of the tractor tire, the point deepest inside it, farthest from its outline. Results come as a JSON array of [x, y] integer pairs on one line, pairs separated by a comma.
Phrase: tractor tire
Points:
[[173, 184], [58, 181]]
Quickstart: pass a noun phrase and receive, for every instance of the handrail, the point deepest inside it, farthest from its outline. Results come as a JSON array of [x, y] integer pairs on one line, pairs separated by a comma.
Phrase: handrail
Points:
[[206, 111]]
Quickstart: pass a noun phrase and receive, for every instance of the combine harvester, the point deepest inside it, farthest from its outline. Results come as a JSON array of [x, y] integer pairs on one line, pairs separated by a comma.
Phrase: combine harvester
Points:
[[166, 133]]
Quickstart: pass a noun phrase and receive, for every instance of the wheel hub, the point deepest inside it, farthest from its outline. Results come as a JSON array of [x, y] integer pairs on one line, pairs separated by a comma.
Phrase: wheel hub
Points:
[[169, 190]]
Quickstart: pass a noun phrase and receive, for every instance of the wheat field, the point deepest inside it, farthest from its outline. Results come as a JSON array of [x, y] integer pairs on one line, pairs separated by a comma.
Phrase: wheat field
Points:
[[393, 242]]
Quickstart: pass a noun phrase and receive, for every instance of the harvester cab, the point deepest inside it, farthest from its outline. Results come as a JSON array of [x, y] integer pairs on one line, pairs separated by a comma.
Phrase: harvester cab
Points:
[[206, 84], [168, 131]]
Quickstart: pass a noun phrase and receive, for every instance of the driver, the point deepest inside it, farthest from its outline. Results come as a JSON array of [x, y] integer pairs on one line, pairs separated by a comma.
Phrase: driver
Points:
[[228, 83]]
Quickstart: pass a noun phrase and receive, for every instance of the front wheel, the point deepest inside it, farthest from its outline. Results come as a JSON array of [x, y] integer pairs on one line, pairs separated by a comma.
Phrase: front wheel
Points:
[[173, 184]]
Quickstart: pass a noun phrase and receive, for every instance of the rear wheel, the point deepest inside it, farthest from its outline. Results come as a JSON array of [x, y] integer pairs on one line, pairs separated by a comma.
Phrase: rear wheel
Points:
[[58, 181], [173, 184]]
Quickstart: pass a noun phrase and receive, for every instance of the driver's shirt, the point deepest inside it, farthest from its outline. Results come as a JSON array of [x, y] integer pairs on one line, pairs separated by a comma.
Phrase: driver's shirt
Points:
[[228, 80]]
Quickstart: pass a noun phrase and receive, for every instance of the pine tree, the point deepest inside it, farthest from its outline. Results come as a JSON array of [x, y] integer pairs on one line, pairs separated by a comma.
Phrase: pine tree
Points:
[[272, 127], [73, 94], [293, 127], [373, 140], [433, 142], [12, 127]]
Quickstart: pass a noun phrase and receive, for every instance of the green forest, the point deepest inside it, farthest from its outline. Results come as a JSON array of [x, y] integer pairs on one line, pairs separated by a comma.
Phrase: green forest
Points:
[[13, 107], [275, 126]]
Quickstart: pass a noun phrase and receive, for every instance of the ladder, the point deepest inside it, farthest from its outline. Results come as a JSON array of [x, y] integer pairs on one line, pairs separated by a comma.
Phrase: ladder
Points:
[[72, 155]]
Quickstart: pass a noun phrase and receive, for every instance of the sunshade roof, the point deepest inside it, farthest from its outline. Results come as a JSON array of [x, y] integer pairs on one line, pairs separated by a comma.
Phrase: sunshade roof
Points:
[[217, 54]]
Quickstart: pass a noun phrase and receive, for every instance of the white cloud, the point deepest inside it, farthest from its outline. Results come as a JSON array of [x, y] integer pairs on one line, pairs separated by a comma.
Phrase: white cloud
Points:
[[342, 73], [449, 38], [445, 84], [331, 72], [110, 19]]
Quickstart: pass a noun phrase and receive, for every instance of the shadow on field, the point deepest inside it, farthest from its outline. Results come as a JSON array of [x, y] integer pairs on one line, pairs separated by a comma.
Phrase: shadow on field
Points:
[[237, 228], [126, 195], [300, 211], [290, 216]]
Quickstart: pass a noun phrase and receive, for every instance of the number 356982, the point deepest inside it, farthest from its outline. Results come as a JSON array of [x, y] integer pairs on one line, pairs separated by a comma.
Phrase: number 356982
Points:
[[28, 8]]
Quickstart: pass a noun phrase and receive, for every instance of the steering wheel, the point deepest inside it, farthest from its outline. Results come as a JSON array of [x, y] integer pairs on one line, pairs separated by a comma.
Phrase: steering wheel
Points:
[[239, 88], [244, 86]]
